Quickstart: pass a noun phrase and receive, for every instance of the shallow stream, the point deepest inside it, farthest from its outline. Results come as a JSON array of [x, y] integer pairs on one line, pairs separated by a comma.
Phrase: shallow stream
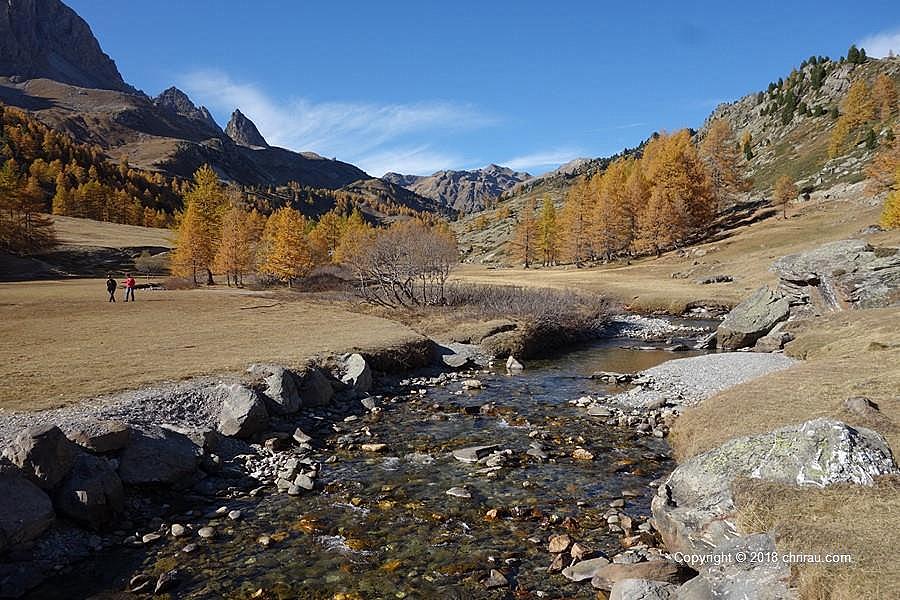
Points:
[[383, 526]]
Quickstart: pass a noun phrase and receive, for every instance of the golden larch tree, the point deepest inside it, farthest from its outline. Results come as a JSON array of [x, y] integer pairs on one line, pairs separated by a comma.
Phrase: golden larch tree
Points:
[[209, 200], [884, 96], [637, 191], [886, 162], [187, 259], [287, 255], [235, 254], [24, 227], [719, 151], [326, 236], [784, 192], [355, 237], [613, 218], [548, 233], [858, 109], [681, 202], [576, 224], [525, 240], [890, 215]]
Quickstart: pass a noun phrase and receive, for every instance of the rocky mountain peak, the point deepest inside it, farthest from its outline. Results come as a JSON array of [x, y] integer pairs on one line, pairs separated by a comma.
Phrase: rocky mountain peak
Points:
[[244, 132], [47, 39], [178, 102], [462, 191]]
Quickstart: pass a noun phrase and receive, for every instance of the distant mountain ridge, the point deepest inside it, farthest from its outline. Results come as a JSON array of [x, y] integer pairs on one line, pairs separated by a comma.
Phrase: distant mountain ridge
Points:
[[462, 191]]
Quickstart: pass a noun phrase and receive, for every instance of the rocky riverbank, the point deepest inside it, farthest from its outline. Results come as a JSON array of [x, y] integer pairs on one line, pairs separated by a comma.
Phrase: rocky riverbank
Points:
[[103, 473], [694, 510], [111, 472]]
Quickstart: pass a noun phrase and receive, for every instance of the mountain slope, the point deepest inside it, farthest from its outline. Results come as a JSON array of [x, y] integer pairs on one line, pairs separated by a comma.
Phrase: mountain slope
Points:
[[791, 124], [378, 191], [52, 66], [462, 191], [155, 137], [788, 137]]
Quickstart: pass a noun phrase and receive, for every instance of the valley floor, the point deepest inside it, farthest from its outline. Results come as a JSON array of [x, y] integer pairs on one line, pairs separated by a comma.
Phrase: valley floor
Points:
[[60, 341]]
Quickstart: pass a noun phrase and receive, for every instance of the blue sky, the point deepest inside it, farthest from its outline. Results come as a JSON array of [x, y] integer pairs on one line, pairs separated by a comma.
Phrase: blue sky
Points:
[[416, 87]]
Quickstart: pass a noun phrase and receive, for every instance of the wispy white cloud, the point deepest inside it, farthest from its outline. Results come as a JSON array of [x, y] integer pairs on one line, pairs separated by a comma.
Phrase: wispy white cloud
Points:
[[629, 126], [543, 160], [418, 160], [881, 44], [378, 137]]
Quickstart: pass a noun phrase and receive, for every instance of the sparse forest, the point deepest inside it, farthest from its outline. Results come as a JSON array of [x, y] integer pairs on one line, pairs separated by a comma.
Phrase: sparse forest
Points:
[[77, 180], [221, 232], [667, 197]]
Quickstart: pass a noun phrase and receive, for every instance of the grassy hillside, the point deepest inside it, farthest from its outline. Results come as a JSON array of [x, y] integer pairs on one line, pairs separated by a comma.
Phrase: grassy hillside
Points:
[[795, 142], [71, 231]]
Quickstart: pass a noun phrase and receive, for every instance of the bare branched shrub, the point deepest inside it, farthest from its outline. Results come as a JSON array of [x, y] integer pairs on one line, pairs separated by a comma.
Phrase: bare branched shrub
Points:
[[149, 264], [406, 264], [540, 306]]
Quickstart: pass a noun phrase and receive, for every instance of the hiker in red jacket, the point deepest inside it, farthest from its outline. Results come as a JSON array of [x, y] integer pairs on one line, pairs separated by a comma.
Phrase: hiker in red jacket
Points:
[[129, 287]]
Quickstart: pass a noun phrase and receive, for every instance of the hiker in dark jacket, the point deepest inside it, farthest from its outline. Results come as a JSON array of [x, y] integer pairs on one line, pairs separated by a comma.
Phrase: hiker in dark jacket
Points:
[[111, 287]]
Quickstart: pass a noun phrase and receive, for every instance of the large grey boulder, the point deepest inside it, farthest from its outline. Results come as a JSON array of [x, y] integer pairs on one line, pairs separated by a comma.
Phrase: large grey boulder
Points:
[[25, 509], [840, 275], [92, 494], [642, 589], [44, 454], [752, 319], [279, 388], [356, 372], [101, 436], [314, 387], [243, 412], [694, 509], [734, 579], [460, 356], [159, 456]]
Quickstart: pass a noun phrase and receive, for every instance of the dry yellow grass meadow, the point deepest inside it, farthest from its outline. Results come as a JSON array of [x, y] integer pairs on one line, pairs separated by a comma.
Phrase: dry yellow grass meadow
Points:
[[60, 341]]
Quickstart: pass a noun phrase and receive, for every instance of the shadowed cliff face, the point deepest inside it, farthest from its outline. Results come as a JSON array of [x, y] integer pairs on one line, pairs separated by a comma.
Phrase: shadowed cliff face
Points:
[[244, 132], [46, 38]]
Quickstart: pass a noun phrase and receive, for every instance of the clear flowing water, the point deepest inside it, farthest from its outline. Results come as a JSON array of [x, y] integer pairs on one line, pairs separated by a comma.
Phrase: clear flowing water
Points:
[[382, 525]]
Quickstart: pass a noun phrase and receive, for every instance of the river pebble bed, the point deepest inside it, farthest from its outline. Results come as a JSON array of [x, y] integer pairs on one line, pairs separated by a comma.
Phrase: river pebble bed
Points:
[[400, 510]]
